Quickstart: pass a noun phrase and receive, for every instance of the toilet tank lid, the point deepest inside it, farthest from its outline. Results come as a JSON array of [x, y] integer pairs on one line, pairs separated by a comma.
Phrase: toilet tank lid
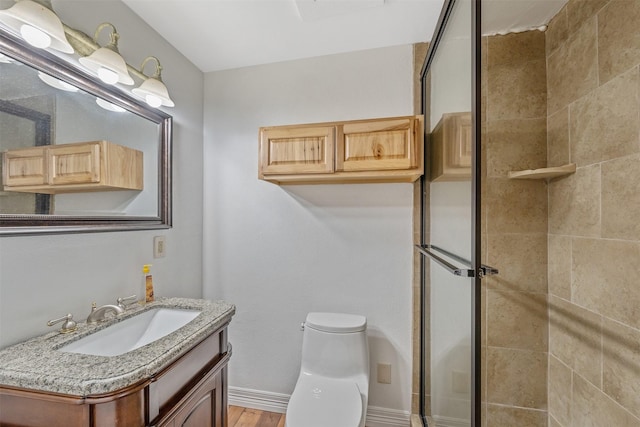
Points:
[[336, 322]]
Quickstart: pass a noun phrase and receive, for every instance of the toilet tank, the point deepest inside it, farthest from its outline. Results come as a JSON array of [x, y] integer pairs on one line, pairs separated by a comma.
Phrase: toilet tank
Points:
[[335, 345]]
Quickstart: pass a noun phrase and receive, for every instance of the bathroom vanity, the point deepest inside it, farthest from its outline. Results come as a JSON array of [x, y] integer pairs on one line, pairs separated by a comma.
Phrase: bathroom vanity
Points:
[[177, 380]]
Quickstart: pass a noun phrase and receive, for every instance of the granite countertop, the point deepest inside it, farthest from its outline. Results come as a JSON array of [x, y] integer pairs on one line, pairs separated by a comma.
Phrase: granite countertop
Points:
[[36, 364]]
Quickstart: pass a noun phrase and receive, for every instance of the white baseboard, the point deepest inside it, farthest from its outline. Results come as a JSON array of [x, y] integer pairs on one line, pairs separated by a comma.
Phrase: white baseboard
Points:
[[277, 402], [256, 399], [386, 417]]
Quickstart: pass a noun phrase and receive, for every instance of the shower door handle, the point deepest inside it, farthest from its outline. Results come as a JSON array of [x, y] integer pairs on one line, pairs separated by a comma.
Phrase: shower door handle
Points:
[[430, 251]]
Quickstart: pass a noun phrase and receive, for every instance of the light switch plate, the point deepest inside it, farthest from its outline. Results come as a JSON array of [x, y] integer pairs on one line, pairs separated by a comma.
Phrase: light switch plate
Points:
[[159, 246]]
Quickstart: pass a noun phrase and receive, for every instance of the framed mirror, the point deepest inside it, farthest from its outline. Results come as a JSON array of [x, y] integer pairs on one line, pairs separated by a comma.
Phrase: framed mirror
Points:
[[58, 124]]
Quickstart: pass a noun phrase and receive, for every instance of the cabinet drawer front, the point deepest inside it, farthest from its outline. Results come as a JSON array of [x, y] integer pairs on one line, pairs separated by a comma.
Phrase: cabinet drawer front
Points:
[[381, 145], [24, 167], [297, 150], [75, 164]]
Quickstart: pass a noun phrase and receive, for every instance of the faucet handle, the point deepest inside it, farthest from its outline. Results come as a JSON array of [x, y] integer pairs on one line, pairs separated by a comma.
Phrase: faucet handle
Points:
[[69, 324], [126, 301]]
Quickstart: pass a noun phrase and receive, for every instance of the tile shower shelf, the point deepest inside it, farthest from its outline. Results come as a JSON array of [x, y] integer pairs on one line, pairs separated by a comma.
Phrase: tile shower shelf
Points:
[[544, 173]]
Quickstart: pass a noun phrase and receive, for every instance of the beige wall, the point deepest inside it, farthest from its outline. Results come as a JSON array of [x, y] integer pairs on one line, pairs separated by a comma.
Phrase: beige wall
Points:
[[593, 54], [514, 231]]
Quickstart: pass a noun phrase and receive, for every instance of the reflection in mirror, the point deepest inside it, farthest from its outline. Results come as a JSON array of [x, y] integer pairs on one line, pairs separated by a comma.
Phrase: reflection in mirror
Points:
[[47, 102]]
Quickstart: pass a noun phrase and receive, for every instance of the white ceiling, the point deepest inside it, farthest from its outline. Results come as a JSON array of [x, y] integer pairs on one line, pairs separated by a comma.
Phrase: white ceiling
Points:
[[224, 34]]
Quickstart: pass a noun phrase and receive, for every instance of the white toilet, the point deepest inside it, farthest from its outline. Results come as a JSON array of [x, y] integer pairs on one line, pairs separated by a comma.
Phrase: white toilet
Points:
[[333, 386]]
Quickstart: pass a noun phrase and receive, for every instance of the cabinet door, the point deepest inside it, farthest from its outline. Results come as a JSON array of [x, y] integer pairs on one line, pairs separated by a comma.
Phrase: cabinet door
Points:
[[203, 408], [74, 164], [377, 145], [296, 150], [24, 167], [451, 148]]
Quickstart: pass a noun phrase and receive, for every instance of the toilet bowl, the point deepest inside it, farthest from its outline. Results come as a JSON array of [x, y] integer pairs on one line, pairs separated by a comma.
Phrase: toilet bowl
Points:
[[333, 386]]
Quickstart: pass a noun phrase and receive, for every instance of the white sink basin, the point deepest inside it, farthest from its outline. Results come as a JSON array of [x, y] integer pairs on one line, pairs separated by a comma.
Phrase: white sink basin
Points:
[[133, 332]]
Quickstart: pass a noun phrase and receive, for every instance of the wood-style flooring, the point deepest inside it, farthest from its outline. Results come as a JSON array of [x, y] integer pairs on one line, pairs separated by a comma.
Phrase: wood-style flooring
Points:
[[247, 417]]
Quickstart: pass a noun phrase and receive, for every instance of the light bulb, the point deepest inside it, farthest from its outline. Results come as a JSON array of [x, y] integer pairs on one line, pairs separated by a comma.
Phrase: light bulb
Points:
[[35, 37], [108, 76], [153, 101]]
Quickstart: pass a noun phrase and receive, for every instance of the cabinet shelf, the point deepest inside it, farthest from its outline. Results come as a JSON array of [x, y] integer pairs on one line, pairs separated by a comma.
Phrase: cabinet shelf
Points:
[[544, 173]]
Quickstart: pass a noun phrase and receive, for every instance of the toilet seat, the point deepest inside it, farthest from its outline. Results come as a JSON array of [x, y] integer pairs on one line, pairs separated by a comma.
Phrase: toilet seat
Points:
[[324, 402]]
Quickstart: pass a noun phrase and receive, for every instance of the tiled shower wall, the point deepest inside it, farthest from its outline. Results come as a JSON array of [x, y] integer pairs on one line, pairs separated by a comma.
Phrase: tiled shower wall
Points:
[[593, 78], [561, 333], [514, 231]]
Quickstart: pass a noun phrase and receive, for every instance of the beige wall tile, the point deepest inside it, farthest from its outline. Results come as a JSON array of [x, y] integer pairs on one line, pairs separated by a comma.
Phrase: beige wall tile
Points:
[[605, 278], [592, 408], [559, 391], [575, 338], [557, 31], [558, 138], [578, 11], [621, 365], [559, 261], [501, 416], [515, 48], [618, 38], [621, 198], [516, 145], [574, 203], [517, 378], [517, 91], [572, 69], [604, 124], [517, 320], [554, 423], [516, 206], [521, 260]]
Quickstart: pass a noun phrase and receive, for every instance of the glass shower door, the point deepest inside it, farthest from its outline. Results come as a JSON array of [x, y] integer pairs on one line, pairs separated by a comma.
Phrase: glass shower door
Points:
[[450, 226]]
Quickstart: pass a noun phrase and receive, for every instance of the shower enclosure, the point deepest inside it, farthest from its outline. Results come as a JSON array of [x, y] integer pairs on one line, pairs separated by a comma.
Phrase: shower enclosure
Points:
[[451, 267]]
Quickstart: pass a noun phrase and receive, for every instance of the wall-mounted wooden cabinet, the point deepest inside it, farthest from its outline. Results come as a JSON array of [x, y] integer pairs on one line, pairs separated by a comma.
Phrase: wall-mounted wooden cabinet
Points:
[[69, 168], [451, 148], [376, 150]]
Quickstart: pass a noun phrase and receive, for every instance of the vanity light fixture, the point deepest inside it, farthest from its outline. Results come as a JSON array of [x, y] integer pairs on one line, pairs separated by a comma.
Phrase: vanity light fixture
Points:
[[37, 24], [153, 90], [106, 61]]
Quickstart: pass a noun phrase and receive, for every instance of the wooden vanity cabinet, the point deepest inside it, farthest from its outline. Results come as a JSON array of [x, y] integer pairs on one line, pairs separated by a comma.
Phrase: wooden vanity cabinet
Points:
[[68, 168], [374, 150], [190, 392]]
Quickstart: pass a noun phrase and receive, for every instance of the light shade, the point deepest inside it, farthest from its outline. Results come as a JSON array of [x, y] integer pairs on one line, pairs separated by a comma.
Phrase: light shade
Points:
[[106, 63], [56, 83], [109, 106], [37, 24], [154, 92]]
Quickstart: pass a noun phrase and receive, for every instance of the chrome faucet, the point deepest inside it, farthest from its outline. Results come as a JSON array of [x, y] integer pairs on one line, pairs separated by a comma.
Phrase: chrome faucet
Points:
[[68, 326], [100, 314]]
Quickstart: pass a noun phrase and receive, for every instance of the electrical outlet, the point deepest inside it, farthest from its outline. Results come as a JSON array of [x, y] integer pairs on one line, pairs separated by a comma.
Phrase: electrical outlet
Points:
[[159, 247], [384, 373]]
